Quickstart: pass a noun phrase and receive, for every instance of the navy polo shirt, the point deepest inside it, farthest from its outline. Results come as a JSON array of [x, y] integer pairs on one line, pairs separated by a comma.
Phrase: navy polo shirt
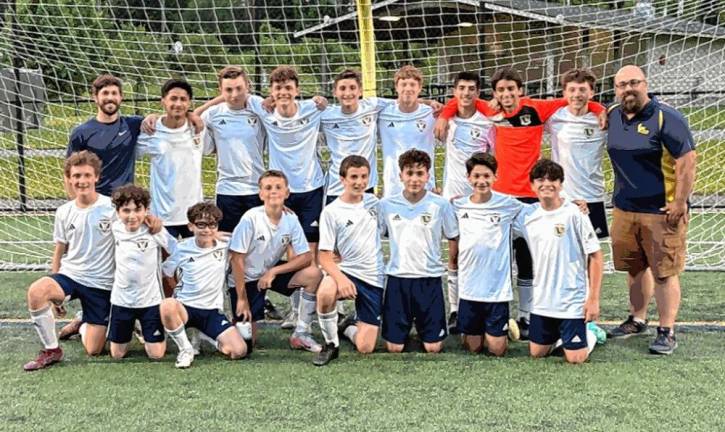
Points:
[[643, 150], [115, 145]]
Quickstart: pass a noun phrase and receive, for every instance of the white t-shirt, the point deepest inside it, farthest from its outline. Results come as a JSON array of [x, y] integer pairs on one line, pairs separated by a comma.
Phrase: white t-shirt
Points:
[[415, 232], [137, 281], [577, 144], [203, 270], [352, 134], [352, 231], [293, 144], [560, 242], [400, 132], [484, 247], [175, 171], [465, 137], [86, 232], [237, 137], [265, 243]]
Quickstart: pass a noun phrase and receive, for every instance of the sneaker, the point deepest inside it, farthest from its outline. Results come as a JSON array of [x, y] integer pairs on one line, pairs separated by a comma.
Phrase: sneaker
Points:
[[270, 311], [71, 329], [514, 333], [665, 342], [290, 320], [45, 358], [523, 325], [184, 359], [329, 353], [304, 341], [628, 328], [453, 323], [598, 332], [349, 320]]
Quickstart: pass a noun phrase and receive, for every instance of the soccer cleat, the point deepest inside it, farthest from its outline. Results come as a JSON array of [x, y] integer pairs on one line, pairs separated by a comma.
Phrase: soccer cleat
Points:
[[290, 320], [349, 320], [523, 325], [598, 332], [665, 343], [304, 341], [453, 323], [184, 359], [514, 333], [628, 328], [45, 358], [270, 311], [329, 353], [70, 329]]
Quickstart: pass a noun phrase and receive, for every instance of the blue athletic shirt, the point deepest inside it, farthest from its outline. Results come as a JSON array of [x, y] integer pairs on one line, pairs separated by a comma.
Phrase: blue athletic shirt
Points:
[[115, 145], [643, 150]]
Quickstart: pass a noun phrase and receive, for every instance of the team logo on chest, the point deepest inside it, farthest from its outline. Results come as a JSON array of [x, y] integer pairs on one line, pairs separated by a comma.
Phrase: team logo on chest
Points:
[[525, 119], [426, 218], [372, 212], [285, 239], [475, 133], [142, 244], [104, 225], [304, 121], [559, 230], [588, 132], [420, 124], [252, 121], [222, 122], [367, 120], [495, 219], [218, 254], [642, 129]]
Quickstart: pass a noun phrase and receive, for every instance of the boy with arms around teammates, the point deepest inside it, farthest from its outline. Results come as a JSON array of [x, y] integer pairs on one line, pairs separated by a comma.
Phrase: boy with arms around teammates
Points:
[[415, 221], [137, 290], [568, 267], [258, 243], [349, 228], [201, 262], [482, 254]]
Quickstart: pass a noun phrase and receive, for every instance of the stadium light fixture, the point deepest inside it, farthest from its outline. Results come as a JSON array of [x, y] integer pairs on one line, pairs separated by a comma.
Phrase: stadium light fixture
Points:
[[389, 18]]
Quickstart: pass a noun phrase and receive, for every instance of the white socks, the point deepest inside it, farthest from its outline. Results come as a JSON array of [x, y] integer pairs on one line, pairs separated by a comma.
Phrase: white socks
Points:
[[82, 332], [180, 338], [328, 326], [591, 341], [44, 323], [525, 288], [308, 307], [453, 290], [350, 333], [210, 341]]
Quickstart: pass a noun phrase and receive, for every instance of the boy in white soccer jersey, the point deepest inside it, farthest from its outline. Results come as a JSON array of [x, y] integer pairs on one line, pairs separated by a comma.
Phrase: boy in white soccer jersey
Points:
[[136, 292], [577, 144], [237, 137], [483, 255], [415, 221], [349, 228], [404, 125], [258, 244], [82, 264], [201, 262], [568, 267], [468, 132], [176, 153]]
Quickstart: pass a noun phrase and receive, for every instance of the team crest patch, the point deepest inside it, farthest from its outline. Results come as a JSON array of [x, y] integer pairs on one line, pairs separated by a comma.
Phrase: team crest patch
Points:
[[372, 212], [304, 121], [641, 129], [559, 230], [367, 120], [495, 219], [525, 119], [218, 254], [426, 218], [588, 132], [104, 225], [475, 133], [222, 122], [420, 124], [142, 244], [197, 142], [252, 121], [285, 239]]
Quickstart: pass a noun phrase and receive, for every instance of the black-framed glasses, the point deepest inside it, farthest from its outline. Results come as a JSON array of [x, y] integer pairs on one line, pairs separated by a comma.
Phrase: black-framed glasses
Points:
[[204, 225], [631, 83]]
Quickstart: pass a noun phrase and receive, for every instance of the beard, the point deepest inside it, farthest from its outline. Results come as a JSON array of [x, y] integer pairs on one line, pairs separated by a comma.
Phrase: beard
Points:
[[631, 105], [109, 111]]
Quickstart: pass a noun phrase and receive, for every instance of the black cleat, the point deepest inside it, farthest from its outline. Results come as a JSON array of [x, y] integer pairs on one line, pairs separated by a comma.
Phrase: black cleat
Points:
[[329, 353], [453, 323], [270, 311], [628, 328], [665, 343]]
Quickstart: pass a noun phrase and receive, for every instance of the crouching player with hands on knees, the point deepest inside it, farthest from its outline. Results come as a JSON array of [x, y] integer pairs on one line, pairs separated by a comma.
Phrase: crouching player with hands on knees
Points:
[[483, 255], [136, 292], [568, 267], [258, 243], [199, 299], [349, 227]]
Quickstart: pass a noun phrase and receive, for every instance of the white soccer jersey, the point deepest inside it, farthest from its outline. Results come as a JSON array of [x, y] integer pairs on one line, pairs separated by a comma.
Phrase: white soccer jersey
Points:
[[86, 232], [484, 247], [137, 281], [201, 283], [560, 242], [175, 171], [577, 144], [352, 231], [237, 138], [465, 137], [293, 143], [265, 243], [415, 232], [352, 134], [400, 132]]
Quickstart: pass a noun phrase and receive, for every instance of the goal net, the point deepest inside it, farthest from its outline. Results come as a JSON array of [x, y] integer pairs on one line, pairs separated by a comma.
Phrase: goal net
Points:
[[51, 50]]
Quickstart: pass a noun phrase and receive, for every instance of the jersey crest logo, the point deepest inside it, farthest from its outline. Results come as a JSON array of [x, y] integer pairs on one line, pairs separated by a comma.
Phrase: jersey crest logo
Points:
[[275, 123], [465, 216], [285, 239], [222, 122], [336, 126], [396, 217], [260, 238], [420, 124], [475, 133], [372, 212], [142, 244], [191, 259], [559, 230], [641, 129], [367, 120], [495, 219], [71, 227], [426, 218], [304, 121], [349, 223], [391, 124], [104, 225], [252, 121], [525, 119], [218, 254], [588, 132]]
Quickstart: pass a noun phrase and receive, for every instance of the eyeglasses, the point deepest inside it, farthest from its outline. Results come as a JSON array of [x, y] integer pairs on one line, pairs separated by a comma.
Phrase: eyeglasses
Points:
[[632, 83], [204, 225]]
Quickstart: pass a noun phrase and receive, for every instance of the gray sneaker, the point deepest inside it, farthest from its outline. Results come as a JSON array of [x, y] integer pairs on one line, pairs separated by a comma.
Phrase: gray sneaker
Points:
[[628, 328], [665, 343]]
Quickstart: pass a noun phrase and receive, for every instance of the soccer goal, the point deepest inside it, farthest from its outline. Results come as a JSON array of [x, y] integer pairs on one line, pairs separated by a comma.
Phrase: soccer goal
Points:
[[51, 50]]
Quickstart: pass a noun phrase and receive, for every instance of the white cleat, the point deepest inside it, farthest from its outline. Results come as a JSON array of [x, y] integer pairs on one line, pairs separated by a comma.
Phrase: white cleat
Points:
[[304, 341], [184, 359]]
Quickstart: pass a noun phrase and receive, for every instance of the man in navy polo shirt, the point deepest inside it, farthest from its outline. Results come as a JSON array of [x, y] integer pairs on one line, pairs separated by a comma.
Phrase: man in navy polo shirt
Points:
[[654, 161]]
